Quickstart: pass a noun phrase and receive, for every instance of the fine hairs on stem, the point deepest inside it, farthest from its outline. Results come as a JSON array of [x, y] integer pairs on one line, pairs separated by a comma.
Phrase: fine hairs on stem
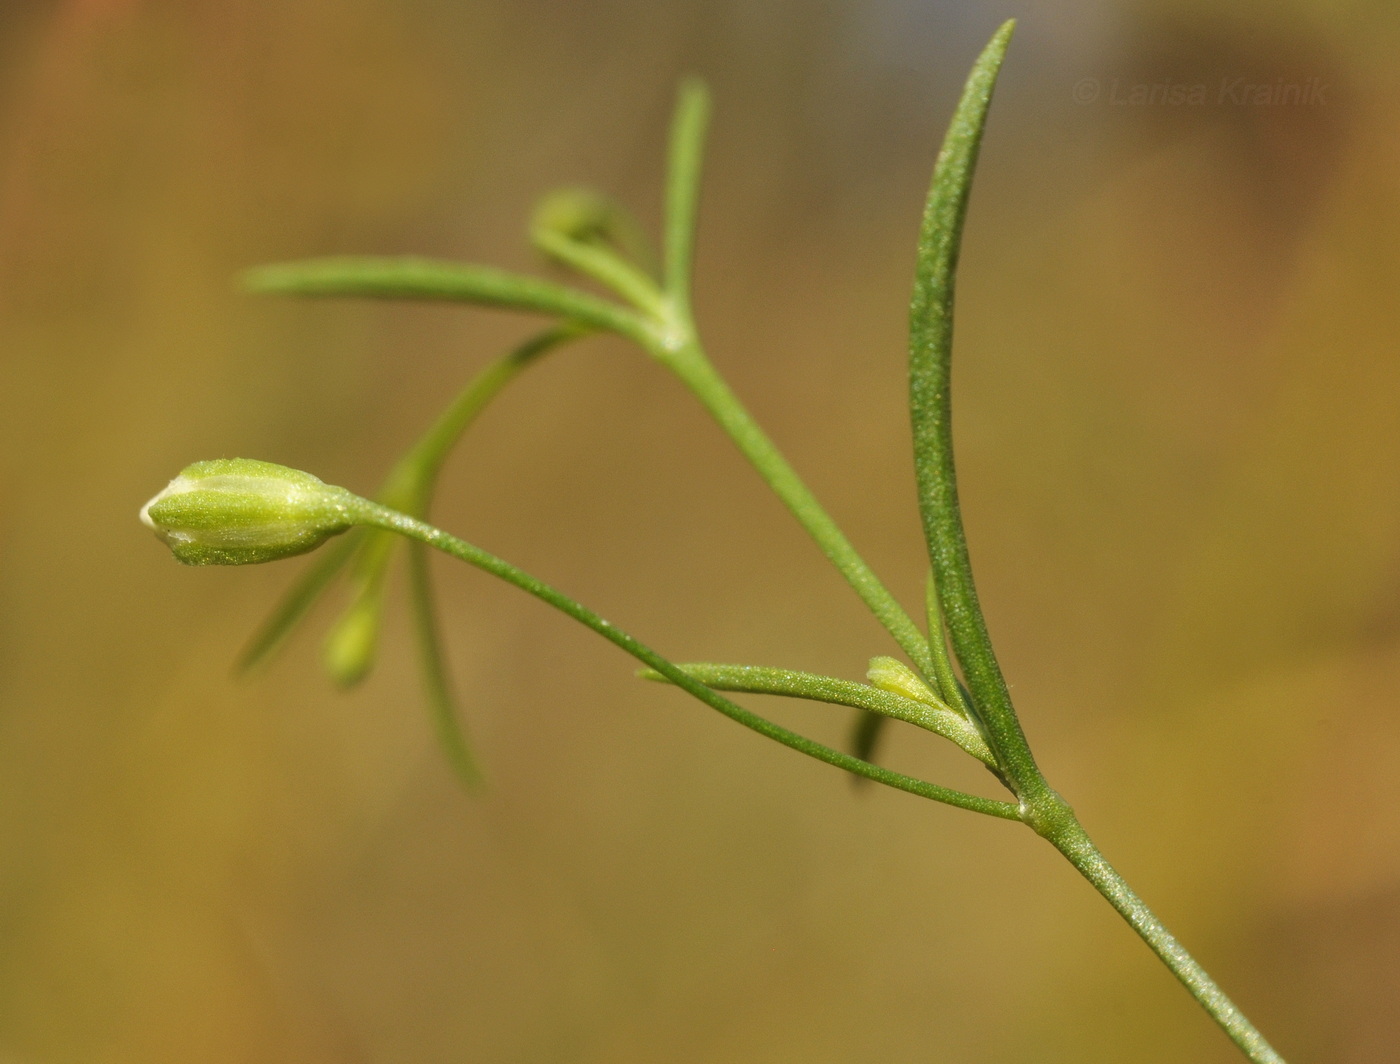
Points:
[[234, 511]]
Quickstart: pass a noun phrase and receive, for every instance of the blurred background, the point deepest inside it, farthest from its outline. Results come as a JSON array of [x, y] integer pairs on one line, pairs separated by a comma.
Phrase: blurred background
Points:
[[1179, 440]]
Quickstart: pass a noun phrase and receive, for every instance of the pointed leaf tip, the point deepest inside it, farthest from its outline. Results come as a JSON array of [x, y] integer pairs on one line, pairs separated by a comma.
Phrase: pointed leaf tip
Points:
[[930, 407]]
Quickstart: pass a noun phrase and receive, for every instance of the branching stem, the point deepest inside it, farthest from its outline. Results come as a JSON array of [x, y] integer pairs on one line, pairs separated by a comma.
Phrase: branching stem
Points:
[[371, 513]]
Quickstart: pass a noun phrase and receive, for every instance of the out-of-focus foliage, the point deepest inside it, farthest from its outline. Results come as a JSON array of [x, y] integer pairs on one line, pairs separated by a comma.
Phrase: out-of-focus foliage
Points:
[[1180, 316]]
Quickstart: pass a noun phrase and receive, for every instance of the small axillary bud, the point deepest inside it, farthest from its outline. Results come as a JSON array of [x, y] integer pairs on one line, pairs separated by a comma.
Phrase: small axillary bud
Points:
[[239, 511], [892, 675]]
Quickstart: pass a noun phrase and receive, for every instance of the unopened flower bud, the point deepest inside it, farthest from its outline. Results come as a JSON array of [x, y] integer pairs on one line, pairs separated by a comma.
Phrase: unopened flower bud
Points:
[[349, 650], [892, 675], [237, 511]]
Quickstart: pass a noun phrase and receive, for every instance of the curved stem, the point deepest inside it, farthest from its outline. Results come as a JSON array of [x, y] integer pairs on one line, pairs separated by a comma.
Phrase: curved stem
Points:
[[370, 513], [1067, 836], [677, 345]]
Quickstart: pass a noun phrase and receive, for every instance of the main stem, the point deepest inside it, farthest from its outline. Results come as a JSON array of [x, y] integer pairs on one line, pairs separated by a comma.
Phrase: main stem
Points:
[[931, 410], [1056, 822]]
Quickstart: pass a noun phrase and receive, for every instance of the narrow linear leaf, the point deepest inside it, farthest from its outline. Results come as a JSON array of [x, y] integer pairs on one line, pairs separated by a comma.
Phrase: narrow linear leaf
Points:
[[411, 483], [431, 279], [408, 487], [950, 688], [756, 679], [930, 403], [298, 599], [437, 683], [352, 643], [684, 163]]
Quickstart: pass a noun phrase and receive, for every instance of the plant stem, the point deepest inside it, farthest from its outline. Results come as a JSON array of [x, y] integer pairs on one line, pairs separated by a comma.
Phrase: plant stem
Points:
[[694, 369], [931, 410], [370, 513], [1064, 832], [677, 345]]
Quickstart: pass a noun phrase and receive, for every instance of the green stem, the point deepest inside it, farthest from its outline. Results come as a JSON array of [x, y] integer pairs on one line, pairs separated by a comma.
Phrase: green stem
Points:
[[677, 345], [691, 365], [931, 410], [1064, 832], [370, 513]]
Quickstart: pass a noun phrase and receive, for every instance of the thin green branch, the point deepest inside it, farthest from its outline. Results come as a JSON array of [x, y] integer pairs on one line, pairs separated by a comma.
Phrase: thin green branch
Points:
[[691, 365], [679, 347], [756, 679], [369, 277], [382, 517]]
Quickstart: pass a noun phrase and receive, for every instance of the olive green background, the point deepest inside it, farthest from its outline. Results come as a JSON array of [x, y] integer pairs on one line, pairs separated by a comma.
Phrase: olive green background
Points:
[[1179, 435]]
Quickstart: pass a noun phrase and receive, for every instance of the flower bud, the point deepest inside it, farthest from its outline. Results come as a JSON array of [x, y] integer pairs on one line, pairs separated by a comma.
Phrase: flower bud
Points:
[[349, 650], [892, 675], [237, 511]]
